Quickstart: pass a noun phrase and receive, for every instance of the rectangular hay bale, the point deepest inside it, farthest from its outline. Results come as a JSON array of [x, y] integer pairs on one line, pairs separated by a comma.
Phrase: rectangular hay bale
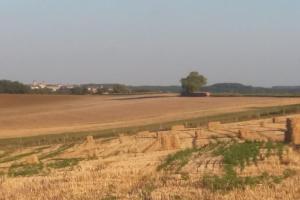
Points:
[[292, 134], [213, 125]]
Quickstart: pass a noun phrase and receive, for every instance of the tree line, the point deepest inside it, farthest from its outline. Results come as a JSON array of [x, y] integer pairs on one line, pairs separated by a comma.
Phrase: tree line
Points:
[[13, 87], [190, 84], [193, 82]]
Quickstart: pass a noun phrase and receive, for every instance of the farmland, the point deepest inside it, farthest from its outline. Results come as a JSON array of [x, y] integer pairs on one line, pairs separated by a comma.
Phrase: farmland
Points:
[[149, 100], [216, 161], [156, 147], [31, 115]]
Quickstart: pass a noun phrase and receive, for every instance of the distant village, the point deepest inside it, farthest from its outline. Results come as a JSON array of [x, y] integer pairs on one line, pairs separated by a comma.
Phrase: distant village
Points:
[[88, 88], [54, 87], [42, 87]]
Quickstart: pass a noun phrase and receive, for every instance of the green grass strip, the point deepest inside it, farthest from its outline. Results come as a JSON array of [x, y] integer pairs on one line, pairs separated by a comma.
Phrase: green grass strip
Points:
[[242, 154], [25, 170], [63, 163], [176, 161]]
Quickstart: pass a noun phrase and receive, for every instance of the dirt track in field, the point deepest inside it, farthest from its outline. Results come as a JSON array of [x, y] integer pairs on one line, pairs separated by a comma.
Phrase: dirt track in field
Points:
[[27, 115]]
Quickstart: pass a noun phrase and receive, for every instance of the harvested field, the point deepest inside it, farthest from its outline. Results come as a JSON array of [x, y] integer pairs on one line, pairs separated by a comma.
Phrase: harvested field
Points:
[[215, 164], [28, 115]]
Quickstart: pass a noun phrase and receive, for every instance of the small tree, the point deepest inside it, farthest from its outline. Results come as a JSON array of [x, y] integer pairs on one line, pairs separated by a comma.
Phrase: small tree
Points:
[[79, 90], [193, 82], [120, 89], [13, 87]]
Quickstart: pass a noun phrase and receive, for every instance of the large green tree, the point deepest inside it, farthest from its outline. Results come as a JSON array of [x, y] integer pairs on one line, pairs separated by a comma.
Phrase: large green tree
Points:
[[193, 82]]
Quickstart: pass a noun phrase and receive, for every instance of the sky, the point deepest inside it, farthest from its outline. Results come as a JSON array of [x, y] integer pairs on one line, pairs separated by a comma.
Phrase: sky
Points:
[[150, 42]]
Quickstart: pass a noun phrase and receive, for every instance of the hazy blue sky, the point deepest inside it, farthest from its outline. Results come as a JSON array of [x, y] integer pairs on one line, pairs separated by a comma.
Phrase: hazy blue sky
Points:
[[150, 41]]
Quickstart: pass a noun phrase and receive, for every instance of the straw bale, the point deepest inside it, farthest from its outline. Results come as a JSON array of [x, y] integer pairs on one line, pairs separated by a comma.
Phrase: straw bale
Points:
[[276, 120], [198, 134], [175, 141], [198, 140], [244, 133], [90, 139], [262, 124], [32, 160], [292, 134], [178, 128], [126, 139], [213, 125], [168, 141], [88, 143], [144, 134], [92, 153]]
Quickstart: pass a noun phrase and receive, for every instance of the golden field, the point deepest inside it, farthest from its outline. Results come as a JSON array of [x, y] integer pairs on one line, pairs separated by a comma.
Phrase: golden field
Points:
[[28, 115], [165, 165], [239, 160]]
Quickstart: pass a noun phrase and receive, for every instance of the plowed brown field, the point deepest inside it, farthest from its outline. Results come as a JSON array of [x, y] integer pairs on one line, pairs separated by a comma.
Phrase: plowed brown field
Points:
[[27, 115]]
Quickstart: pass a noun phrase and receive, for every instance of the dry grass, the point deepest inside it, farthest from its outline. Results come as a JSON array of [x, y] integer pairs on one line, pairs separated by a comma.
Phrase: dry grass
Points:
[[125, 170]]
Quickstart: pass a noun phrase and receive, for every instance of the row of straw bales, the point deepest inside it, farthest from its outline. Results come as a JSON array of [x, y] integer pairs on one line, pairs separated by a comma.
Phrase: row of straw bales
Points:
[[167, 140], [87, 149], [199, 140], [292, 133], [212, 125]]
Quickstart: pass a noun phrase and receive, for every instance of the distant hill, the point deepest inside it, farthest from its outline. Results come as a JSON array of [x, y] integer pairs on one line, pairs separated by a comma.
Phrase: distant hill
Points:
[[287, 88], [7, 86], [230, 88], [234, 88], [237, 88]]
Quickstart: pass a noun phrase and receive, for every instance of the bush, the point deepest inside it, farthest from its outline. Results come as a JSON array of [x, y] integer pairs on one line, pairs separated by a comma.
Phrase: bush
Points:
[[13, 87]]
